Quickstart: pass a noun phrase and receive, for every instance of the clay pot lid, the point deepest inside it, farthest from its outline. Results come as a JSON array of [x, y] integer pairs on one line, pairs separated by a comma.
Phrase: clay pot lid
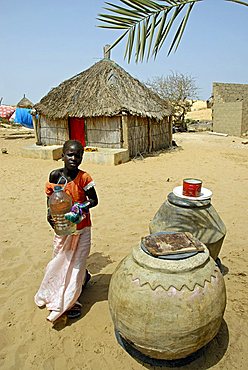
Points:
[[171, 245]]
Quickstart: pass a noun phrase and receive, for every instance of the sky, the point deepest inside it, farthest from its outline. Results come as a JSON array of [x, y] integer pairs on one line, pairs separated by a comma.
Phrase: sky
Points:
[[46, 42]]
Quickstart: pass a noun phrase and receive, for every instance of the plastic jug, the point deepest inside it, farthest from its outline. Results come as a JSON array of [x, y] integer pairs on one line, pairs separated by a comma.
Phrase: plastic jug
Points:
[[60, 203]]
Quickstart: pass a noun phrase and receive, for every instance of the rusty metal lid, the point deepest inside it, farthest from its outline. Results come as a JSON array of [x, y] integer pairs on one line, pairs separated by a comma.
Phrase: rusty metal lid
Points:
[[171, 245]]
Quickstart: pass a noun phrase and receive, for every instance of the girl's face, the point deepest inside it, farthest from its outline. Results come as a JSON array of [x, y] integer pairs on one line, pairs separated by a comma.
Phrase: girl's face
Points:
[[72, 157]]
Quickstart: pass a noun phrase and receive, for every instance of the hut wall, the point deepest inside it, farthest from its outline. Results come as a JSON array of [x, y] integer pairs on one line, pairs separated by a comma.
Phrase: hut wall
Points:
[[105, 132], [146, 135], [53, 132], [138, 135], [160, 134]]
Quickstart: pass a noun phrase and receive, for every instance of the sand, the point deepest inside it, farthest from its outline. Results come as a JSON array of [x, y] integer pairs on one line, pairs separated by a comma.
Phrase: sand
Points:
[[129, 196], [200, 115]]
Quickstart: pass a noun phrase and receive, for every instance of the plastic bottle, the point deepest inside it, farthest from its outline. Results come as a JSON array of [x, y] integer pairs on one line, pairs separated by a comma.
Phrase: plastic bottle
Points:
[[60, 203]]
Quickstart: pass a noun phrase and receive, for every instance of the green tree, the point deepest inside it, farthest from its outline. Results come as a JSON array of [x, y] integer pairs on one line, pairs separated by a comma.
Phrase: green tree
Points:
[[179, 90], [147, 23]]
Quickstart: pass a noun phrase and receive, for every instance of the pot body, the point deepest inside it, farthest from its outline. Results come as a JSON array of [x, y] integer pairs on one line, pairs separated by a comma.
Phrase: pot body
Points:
[[167, 309], [197, 217]]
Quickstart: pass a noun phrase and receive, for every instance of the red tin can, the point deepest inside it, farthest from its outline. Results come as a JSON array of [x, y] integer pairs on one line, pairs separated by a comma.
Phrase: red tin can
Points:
[[192, 187]]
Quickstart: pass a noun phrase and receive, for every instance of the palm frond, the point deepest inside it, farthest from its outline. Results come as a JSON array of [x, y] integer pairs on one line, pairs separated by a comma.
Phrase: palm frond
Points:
[[148, 23], [129, 45], [180, 30], [238, 2], [154, 24], [118, 40], [166, 30]]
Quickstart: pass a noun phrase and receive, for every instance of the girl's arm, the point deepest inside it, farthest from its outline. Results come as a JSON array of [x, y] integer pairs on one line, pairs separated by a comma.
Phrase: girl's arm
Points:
[[55, 176], [92, 197]]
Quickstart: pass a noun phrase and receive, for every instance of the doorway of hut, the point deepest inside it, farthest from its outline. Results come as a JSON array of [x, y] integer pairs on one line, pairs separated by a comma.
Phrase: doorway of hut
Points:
[[77, 129]]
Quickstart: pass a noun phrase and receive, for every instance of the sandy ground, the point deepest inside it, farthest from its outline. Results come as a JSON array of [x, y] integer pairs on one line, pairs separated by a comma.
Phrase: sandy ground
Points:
[[204, 114], [130, 195]]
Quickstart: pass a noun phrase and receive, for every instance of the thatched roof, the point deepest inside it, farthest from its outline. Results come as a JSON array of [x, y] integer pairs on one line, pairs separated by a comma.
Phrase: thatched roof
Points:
[[105, 89], [25, 103]]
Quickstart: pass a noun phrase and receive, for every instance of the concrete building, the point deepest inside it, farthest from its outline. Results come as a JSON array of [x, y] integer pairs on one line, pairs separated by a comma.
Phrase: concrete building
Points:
[[230, 108]]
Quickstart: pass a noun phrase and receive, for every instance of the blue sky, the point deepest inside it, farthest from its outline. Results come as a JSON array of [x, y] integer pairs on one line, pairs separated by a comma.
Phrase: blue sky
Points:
[[46, 42]]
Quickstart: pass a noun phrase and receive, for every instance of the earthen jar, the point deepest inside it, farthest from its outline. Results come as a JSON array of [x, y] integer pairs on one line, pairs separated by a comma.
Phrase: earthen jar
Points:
[[197, 217], [167, 309]]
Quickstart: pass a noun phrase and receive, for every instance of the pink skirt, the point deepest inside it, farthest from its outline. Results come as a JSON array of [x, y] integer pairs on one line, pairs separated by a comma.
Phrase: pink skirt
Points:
[[65, 273]]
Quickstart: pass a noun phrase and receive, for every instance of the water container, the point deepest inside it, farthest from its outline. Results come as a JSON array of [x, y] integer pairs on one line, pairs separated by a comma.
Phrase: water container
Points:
[[60, 203], [167, 308], [197, 217]]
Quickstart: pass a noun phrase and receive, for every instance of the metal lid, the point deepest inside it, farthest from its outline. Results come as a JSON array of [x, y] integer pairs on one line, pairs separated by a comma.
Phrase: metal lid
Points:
[[143, 257], [171, 245]]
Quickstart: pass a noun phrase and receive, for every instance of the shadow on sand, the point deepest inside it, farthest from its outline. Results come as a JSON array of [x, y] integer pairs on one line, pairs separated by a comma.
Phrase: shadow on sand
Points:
[[203, 359], [95, 291]]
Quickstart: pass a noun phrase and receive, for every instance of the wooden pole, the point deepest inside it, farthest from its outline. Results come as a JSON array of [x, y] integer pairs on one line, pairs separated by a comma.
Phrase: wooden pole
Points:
[[124, 121], [106, 52], [36, 126]]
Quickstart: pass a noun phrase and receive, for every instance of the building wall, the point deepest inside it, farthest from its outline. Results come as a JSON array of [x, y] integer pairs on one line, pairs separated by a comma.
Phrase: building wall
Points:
[[160, 134], [225, 92], [137, 135], [147, 135], [53, 132], [230, 110], [244, 128], [227, 118], [104, 132], [142, 135]]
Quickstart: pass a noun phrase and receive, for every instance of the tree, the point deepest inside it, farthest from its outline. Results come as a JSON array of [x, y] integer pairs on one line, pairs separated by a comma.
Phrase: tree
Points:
[[147, 24], [179, 90]]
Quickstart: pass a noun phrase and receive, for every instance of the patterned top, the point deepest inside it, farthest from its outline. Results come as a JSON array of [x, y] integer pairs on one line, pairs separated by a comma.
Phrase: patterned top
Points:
[[76, 189]]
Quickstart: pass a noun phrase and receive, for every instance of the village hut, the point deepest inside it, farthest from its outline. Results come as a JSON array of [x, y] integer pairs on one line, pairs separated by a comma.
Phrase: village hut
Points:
[[22, 113], [25, 103], [105, 107]]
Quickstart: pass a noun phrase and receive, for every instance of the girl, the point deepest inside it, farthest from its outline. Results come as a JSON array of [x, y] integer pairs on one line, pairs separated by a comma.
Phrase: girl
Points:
[[66, 272]]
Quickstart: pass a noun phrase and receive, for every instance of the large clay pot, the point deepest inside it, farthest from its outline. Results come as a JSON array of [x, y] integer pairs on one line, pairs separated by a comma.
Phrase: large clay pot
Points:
[[167, 309], [197, 217]]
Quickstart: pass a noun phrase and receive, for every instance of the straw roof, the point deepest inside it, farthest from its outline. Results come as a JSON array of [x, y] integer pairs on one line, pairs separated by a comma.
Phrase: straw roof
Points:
[[105, 89], [25, 103]]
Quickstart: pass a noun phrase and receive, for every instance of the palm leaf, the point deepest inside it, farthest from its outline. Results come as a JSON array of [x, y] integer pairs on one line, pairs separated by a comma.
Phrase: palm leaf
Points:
[[137, 4], [121, 10], [238, 2], [137, 42], [140, 19], [118, 40], [161, 29], [166, 31], [152, 29], [143, 38], [129, 46], [180, 30], [132, 5], [118, 20]]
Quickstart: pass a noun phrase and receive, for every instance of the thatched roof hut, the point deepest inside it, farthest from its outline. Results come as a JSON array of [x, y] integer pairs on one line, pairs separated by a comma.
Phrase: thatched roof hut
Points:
[[105, 89], [111, 107], [25, 103]]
